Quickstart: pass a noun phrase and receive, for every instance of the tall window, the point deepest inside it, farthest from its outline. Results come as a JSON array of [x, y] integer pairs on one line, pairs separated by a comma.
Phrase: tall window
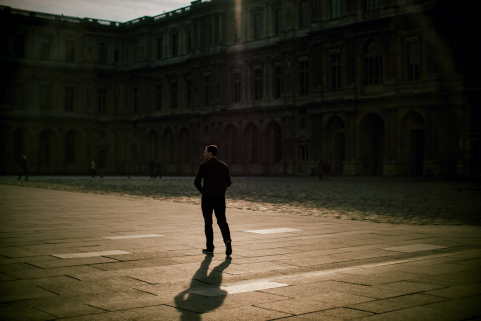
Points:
[[136, 99], [189, 92], [103, 52], [45, 98], [175, 44], [70, 147], [116, 56], [175, 94], [189, 40], [19, 95], [303, 153], [19, 46], [414, 61], [335, 60], [278, 21], [70, 51], [102, 100], [304, 77], [207, 90], [18, 143], [303, 10], [44, 48], [45, 147], [373, 64], [237, 86], [159, 97], [336, 8], [257, 84], [278, 81], [159, 48], [69, 98], [257, 26], [372, 5], [136, 51]]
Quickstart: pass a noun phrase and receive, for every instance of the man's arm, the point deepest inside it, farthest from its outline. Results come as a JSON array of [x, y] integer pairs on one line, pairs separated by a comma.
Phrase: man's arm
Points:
[[198, 179]]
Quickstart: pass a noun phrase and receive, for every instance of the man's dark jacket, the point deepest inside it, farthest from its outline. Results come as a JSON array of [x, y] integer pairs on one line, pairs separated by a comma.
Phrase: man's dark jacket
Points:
[[216, 178]]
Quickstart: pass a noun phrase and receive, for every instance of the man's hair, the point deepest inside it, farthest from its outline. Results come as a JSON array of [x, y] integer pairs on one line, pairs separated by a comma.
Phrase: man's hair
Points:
[[213, 149]]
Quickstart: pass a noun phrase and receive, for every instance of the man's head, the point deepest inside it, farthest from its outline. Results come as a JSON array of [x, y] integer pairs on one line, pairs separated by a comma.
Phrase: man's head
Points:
[[210, 152]]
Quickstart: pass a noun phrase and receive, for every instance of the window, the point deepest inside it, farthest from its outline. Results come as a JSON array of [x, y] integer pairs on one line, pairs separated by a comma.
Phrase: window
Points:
[[175, 94], [70, 51], [303, 13], [277, 143], [69, 99], [336, 9], [159, 97], [373, 64], [18, 144], [116, 56], [278, 21], [414, 60], [278, 81], [189, 92], [372, 5], [207, 90], [237, 87], [237, 30], [303, 153], [136, 51], [335, 60], [70, 147], [102, 100], [45, 147], [175, 45], [103, 52], [136, 99], [304, 77], [257, 26], [189, 40], [44, 48], [159, 48], [45, 97], [257, 84], [19, 46], [19, 96]]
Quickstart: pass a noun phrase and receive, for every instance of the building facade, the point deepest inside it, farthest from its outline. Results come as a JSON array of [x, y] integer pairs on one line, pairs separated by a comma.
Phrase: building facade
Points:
[[372, 87]]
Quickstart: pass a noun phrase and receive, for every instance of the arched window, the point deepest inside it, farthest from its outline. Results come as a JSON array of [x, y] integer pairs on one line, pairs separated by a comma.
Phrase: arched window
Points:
[[274, 142], [168, 147], [45, 147], [18, 143], [251, 138], [230, 147], [70, 147], [374, 63], [184, 146]]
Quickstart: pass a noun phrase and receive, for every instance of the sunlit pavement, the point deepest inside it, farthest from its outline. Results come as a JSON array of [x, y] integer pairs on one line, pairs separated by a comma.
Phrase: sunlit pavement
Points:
[[77, 256]]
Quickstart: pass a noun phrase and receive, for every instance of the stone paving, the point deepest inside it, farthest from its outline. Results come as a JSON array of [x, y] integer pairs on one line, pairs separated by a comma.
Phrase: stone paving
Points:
[[385, 200], [80, 256]]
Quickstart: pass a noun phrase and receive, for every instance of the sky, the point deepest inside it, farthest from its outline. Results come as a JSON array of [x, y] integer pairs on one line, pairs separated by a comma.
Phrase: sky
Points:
[[113, 10]]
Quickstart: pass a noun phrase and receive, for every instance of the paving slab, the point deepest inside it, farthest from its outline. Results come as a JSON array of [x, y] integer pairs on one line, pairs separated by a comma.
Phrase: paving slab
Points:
[[148, 264]]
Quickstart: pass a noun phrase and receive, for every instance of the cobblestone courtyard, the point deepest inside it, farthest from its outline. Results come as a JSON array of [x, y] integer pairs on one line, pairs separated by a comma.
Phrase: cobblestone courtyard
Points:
[[386, 200]]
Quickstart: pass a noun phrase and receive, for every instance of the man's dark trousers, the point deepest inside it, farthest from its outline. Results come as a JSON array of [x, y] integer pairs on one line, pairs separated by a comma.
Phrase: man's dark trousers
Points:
[[216, 204]]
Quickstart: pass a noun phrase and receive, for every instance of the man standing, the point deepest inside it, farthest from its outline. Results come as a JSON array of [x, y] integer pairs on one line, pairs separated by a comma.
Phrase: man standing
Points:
[[216, 180], [23, 166]]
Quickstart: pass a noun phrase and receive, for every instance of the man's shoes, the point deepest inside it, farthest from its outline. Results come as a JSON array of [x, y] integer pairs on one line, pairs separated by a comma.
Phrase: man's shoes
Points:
[[206, 251], [228, 248]]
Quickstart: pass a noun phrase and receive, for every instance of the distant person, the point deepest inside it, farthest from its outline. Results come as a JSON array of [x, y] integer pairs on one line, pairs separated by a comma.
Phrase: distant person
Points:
[[158, 169], [216, 180], [127, 169], [23, 168], [152, 169], [327, 169], [320, 169], [92, 167]]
